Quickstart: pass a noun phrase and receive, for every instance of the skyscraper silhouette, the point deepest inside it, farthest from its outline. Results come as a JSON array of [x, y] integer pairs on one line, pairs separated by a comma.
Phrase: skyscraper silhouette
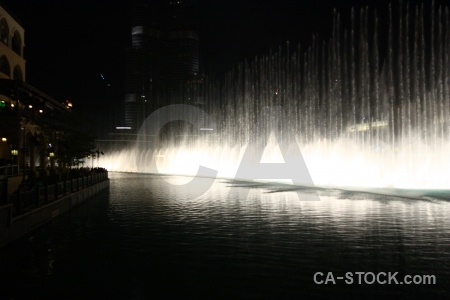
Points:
[[162, 63]]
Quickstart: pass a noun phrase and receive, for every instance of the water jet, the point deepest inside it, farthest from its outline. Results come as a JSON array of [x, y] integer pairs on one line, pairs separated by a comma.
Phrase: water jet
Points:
[[364, 113]]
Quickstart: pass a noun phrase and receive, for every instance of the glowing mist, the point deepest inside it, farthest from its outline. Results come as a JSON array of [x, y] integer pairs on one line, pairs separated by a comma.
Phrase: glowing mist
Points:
[[364, 113]]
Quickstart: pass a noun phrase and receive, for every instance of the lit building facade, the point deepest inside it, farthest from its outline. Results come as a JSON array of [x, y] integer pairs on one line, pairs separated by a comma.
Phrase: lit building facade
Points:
[[28, 116], [12, 62]]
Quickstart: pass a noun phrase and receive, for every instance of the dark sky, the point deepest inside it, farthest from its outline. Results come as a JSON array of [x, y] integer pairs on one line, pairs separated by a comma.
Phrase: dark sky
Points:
[[70, 43]]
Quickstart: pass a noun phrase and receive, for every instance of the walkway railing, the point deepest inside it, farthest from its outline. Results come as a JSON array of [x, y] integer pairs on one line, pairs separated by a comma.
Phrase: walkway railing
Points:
[[26, 201], [9, 170]]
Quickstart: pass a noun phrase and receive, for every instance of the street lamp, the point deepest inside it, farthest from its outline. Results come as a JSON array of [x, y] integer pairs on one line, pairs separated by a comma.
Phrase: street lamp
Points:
[[24, 153], [14, 154], [51, 155]]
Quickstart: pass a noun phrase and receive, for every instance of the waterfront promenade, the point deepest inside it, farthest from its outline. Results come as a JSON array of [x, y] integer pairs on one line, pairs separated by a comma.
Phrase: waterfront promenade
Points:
[[32, 202]]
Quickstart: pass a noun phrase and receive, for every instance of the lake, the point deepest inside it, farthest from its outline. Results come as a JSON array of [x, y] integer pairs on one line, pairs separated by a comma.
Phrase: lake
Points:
[[143, 240]]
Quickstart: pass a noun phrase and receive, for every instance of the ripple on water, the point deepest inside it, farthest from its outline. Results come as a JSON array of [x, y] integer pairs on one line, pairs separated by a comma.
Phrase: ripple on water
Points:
[[147, 240]]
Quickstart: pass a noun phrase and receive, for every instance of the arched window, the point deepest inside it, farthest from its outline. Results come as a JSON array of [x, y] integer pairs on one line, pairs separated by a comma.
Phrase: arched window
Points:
[[4, 66], [17, 73], [17, 43], [4, 31]]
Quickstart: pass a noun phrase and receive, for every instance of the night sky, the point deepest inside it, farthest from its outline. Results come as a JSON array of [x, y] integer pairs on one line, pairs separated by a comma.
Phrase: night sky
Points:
[[70, 43]]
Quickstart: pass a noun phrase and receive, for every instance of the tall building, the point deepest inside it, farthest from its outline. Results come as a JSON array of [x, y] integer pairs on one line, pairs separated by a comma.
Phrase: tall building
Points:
[[162, 64]]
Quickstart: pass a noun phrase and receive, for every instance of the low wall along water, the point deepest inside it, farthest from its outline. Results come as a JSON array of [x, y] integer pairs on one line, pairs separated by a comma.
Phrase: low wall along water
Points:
[[31, 209]]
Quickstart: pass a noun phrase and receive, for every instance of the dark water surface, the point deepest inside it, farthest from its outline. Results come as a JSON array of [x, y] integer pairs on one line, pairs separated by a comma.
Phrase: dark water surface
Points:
[[145, 241]]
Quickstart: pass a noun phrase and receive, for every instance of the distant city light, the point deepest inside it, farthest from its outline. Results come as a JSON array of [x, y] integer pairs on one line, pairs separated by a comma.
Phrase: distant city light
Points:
[[123, 128], [4, 139], [206, 129], [41, 111], [12, 105], [30, 106], [68, 104]]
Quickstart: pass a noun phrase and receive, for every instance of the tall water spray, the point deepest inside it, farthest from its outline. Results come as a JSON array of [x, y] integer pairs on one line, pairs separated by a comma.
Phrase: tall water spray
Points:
[[363, 112]]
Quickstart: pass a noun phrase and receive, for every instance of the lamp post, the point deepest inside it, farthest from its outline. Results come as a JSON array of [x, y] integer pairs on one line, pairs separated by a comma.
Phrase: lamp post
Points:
[[23, 154], [52, 159], [14, 154]]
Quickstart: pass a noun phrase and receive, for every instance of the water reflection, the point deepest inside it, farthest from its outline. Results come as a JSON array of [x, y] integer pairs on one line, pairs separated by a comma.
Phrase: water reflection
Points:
[[147, 240]]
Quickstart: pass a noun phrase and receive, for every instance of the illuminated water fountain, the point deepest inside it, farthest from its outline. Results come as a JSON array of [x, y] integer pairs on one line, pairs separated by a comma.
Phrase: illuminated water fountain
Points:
[[367, 108]]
